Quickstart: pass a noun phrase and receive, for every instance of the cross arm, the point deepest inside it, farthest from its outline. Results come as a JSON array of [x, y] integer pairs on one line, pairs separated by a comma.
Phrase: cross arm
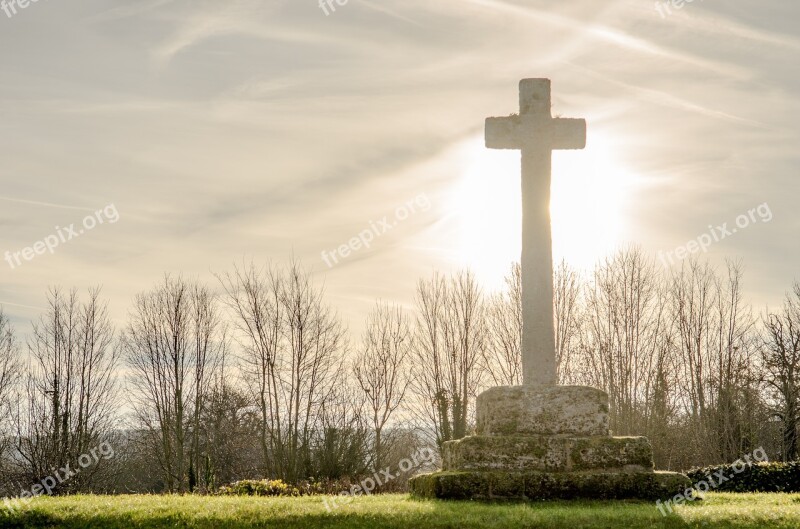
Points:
[[569, 133], [504, 133], [513, 132]]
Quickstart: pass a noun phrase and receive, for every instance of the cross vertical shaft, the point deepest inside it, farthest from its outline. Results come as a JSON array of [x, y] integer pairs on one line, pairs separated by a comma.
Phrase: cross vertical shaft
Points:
[[536, 133], [538, 331]]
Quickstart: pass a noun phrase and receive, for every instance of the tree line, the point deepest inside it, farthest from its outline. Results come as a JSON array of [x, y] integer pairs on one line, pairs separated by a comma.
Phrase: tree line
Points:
[[256, 375]]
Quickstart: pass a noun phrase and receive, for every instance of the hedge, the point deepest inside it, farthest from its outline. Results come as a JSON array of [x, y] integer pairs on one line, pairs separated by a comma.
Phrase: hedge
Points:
[[740, 477]]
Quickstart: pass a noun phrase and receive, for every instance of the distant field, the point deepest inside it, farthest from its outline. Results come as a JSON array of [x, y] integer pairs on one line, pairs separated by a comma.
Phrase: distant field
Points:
[[397, 511]]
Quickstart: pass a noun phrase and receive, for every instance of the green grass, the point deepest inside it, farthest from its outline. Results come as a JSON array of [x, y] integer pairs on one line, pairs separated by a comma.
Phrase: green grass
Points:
[[397, 511]]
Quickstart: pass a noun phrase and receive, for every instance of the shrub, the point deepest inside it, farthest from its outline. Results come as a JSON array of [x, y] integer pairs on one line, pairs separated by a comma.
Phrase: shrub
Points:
[[324, 487], [310, 487], [276, 487], [264, 487], [759, 477]]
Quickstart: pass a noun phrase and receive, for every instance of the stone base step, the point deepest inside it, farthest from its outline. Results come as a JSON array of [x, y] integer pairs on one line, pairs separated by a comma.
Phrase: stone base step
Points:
[[549, 454], [490, 485], [530, 410]]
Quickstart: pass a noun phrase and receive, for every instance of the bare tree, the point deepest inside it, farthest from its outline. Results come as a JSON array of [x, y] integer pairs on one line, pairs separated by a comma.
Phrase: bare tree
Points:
[[566, 307], [294, 347], [254, 297], [174, 343], [381, 370], [229, 438], [70, 405], [713, 338], [781, 358], [733, 383], [340, 447], [692, 304], [450, 340], [9, 373], [502, 361], [624, 344]]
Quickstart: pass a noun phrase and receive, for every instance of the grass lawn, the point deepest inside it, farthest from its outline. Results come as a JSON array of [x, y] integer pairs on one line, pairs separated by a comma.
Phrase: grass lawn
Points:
[[397, 511]]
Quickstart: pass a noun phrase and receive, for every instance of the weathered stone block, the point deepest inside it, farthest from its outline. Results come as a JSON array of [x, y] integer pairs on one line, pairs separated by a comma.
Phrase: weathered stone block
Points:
[[531, 410], [506, 453], [477, 485], [630, 454], [548, 454]]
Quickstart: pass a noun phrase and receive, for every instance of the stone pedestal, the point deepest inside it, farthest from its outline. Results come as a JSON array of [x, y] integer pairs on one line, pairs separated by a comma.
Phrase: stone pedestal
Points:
[[547, 443]]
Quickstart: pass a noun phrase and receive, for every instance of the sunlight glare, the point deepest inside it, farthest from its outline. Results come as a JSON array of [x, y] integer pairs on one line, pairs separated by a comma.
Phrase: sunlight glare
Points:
[[589, 206]]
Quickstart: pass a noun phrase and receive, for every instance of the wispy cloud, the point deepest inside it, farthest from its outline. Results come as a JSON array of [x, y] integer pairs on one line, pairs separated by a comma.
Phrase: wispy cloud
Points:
[[705, 21], [265, 128], [381, 8], [129, 10], [21, 306], [669, 100], [44, 204], [590, 30]]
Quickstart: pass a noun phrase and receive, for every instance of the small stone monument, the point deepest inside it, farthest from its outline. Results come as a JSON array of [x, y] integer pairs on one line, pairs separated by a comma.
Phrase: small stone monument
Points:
[[541, 440]]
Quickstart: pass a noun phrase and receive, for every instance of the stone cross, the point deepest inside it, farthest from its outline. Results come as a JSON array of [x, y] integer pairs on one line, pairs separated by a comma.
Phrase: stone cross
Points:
[[536, 133]]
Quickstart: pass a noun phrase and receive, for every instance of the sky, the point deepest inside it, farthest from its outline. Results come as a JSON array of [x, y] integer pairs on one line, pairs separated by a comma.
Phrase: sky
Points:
[[195, 135]]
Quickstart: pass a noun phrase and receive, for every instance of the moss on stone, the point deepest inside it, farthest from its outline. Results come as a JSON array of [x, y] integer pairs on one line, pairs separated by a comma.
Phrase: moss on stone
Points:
[[548, 453], [513, 452], [544, 485], [612, 452]]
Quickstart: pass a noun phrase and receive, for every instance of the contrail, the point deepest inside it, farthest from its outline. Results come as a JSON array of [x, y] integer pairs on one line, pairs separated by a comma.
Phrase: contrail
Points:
[[22, 306], [47, 204]]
